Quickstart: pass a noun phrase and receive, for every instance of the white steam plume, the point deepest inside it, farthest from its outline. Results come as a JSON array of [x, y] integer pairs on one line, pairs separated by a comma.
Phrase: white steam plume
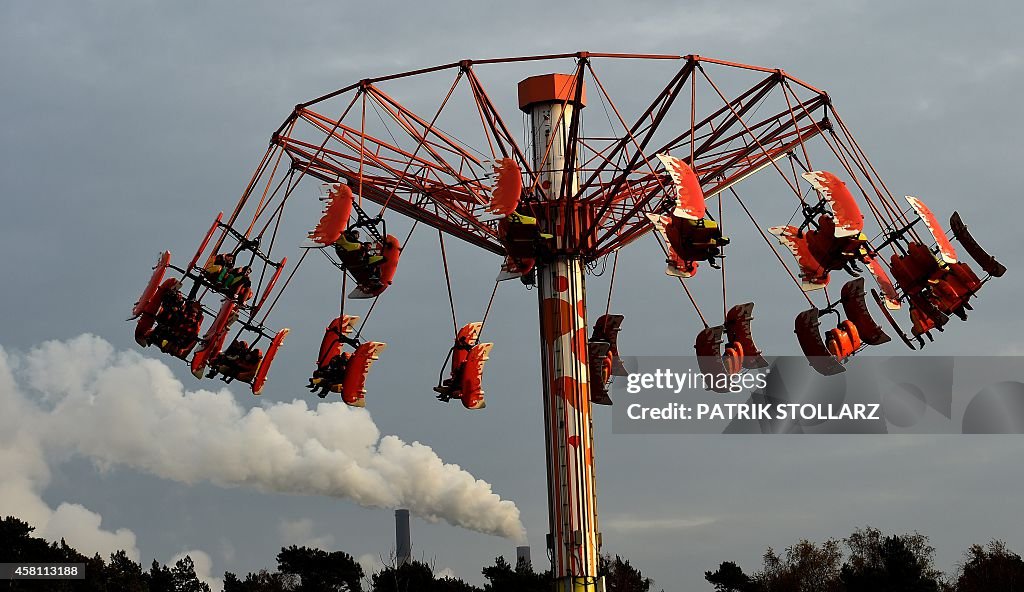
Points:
[[80, 397], [25, 472]]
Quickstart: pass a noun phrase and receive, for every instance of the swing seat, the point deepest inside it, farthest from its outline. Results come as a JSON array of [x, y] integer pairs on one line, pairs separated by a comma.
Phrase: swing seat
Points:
[[890, 296], [856, 309], [679, 267], [831, 249], [709, 357], [847, 219], [986, 261], [946, 250], [689, 198], [154, 284], [732, 357], [808, 334], [353, 388], [148, 310], [599, 358], [472, 392], [335, 216], [508, 188], [737, 329], [373, 285], [689, 241], [843, 341], [259, 379], [512, 268], [213, 340], [331, 344], [813, 275], [606, 328], [467, 338], [922, 322], [521, 237]]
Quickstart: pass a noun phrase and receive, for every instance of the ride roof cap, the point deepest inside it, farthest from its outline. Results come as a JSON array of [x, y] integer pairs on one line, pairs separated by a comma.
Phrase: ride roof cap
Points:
[[550, 88]]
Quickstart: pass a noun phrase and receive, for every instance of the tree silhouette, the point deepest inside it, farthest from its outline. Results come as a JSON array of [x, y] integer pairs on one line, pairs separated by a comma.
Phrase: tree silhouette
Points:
[[729, 578], [501, 577], [160, 578], [889, 564], [995, 569], [804, 567], [184, 577], [872, 562], [453, 585], [264, 581], [620, 576], [414, 576], [320, 571], [124, 575], [232, 583], [17, 543]]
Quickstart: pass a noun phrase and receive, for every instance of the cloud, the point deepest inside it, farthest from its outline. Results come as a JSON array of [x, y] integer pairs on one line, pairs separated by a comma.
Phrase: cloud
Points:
[[1012, 349], [370, 563], [81, 529], [300, 533], [445, 573], [81, 398], [633, 524], [227, 551]]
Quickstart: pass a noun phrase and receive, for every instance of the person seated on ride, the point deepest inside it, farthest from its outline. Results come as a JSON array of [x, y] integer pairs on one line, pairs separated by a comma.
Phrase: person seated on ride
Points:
[[170, 316], [607, 364], [237, 283], [523, 241], [186, 334], [922, 323], [925, 276], [329, 376], [696, 240], [355, 254], [451, 387], [520, 234], [217, 268], [238, 361], [835, 253]]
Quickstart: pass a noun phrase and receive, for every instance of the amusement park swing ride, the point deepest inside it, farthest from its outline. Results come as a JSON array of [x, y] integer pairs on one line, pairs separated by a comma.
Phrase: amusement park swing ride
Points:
[[550, 208]]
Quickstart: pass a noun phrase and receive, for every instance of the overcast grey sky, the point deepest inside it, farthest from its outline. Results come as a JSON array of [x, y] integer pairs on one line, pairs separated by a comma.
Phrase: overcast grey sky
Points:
[[128, 125]]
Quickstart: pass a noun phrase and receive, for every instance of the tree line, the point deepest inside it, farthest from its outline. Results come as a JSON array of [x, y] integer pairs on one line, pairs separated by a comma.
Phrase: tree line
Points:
[[866, 561], [299, 569], [870, 561]]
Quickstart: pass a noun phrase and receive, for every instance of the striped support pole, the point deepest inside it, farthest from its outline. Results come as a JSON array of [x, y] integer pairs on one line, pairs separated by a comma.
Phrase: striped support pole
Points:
[[574, 541]]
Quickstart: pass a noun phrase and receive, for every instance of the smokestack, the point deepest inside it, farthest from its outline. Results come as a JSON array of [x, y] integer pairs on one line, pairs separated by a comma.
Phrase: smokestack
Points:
[[523, 555], [403, 539]]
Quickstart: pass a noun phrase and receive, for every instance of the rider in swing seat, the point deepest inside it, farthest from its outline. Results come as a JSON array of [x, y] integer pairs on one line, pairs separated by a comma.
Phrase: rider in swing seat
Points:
[[237, 282], [331, 374], [354, 253], [701, 240], [523, 241], [238, 361], [450, 388], [186, 334], [519, 228], [170, 316], [218, 267]]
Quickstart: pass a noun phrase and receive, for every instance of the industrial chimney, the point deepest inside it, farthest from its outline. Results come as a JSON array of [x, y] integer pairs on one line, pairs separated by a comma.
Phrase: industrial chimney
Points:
[[523, 555], [403, 539]]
